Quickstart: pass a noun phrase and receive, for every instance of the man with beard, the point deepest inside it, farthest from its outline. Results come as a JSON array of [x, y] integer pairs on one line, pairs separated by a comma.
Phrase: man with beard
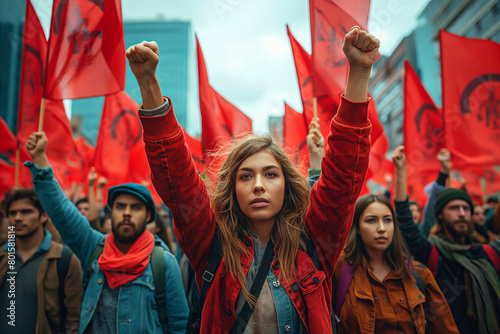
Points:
[[40, 280], [120, 294], [466, 272]]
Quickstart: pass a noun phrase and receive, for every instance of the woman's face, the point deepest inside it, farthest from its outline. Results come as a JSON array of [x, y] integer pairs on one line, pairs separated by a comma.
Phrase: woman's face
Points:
[[478, 217], [376, 227], [416, 213], [260, 187]]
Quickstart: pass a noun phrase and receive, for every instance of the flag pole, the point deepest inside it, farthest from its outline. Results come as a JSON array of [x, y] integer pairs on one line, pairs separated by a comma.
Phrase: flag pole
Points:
[[315, 107], [17, 165], [42, 114]]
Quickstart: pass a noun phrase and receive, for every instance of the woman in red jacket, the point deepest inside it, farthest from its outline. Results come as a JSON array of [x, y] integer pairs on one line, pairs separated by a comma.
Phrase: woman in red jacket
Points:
[[376, 287], [260, 207]]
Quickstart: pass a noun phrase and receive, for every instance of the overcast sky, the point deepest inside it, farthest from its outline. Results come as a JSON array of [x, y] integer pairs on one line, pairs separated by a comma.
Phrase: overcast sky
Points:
[[246, 47]]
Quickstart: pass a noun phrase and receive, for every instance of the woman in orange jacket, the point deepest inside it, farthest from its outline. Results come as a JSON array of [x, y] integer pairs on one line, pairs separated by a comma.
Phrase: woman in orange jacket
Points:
[[376, 287]]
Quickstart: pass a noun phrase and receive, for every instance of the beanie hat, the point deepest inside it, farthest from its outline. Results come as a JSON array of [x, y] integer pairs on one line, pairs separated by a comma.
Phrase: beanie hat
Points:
[[136, 190], [446, 195]]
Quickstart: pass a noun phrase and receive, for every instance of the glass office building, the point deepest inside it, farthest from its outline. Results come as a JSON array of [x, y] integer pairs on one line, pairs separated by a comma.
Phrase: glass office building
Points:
[[175, 73]]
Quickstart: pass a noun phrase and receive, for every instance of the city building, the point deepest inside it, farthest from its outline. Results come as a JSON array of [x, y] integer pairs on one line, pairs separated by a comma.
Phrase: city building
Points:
[[175, 72], [473, 19], [276, 127], [386, 88], [11, 48]]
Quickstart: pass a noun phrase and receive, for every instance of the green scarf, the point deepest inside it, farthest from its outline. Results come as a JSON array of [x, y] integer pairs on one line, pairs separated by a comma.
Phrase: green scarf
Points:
[[481, 278]]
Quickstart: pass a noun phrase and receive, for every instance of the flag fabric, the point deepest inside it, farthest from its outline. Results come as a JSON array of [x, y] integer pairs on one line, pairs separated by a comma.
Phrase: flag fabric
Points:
[[8, 161], [326, 105], [491, 177], [87, 153], [120, 154], [139, 170], [330, 21], [471, 99], [379, 166], [196, 152], [65, 159], [32, 75], [86, 52], [119, 131], [295, 139], [422, 127], [416, 186], [221, 122]]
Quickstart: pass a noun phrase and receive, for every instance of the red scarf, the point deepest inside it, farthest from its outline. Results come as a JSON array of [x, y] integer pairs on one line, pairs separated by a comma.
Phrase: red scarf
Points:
[[122, 268]]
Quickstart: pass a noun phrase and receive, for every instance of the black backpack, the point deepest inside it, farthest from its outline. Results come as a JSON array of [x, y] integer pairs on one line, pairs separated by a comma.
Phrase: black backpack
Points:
[[158, 268]]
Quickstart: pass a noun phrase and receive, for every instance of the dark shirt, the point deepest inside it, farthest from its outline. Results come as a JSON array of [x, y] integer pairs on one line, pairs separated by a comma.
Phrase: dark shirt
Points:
[[451, 275], [26, 298], [104, 319]]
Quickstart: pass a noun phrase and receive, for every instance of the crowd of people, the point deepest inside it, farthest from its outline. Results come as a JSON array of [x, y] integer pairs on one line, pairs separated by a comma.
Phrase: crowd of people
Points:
[[264, 251]]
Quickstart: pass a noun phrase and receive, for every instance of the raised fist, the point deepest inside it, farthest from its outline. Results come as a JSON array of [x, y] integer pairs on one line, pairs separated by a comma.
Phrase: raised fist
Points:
[[92, 177], [37, 144], [143, 59], [444, 158], [360, 48], [315, 140], [398, 157], [102, 182]]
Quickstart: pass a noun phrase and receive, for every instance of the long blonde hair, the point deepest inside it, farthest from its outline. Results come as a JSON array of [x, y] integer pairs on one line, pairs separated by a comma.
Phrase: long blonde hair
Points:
[[231, 221]]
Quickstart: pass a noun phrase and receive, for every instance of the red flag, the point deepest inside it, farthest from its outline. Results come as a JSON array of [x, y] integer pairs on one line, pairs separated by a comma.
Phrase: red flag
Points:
[[65, 159], [120, 130], [8, 161], [416, 186], [378, 166], [330, 21], [295, 139], [31, 79], [196, 151], [423, 126], [491, 177], [139, 171], [471, 99], [221, 122], [326, 105], [86, 54], [87, 153]]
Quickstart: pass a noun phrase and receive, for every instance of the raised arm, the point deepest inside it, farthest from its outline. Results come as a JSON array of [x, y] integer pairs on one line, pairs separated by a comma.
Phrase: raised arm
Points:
[[444, 158], [419, 246], [316, 145], [71, 224], [173, 172], [344, 165]]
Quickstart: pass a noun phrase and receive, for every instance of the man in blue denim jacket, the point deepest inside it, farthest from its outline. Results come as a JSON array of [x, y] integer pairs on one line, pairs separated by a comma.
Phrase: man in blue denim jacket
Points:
[[120, 295]]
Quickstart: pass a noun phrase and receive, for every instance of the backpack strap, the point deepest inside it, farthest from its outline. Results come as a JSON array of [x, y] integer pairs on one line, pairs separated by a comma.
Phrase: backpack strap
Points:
[[62, 271], [88, 269], [345, 278], [433, 262], [493, 256], [159, 277], [214, 259]]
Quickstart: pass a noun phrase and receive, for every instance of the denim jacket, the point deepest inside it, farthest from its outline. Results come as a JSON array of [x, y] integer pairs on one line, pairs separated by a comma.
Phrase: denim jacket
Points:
[[137, 310]]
